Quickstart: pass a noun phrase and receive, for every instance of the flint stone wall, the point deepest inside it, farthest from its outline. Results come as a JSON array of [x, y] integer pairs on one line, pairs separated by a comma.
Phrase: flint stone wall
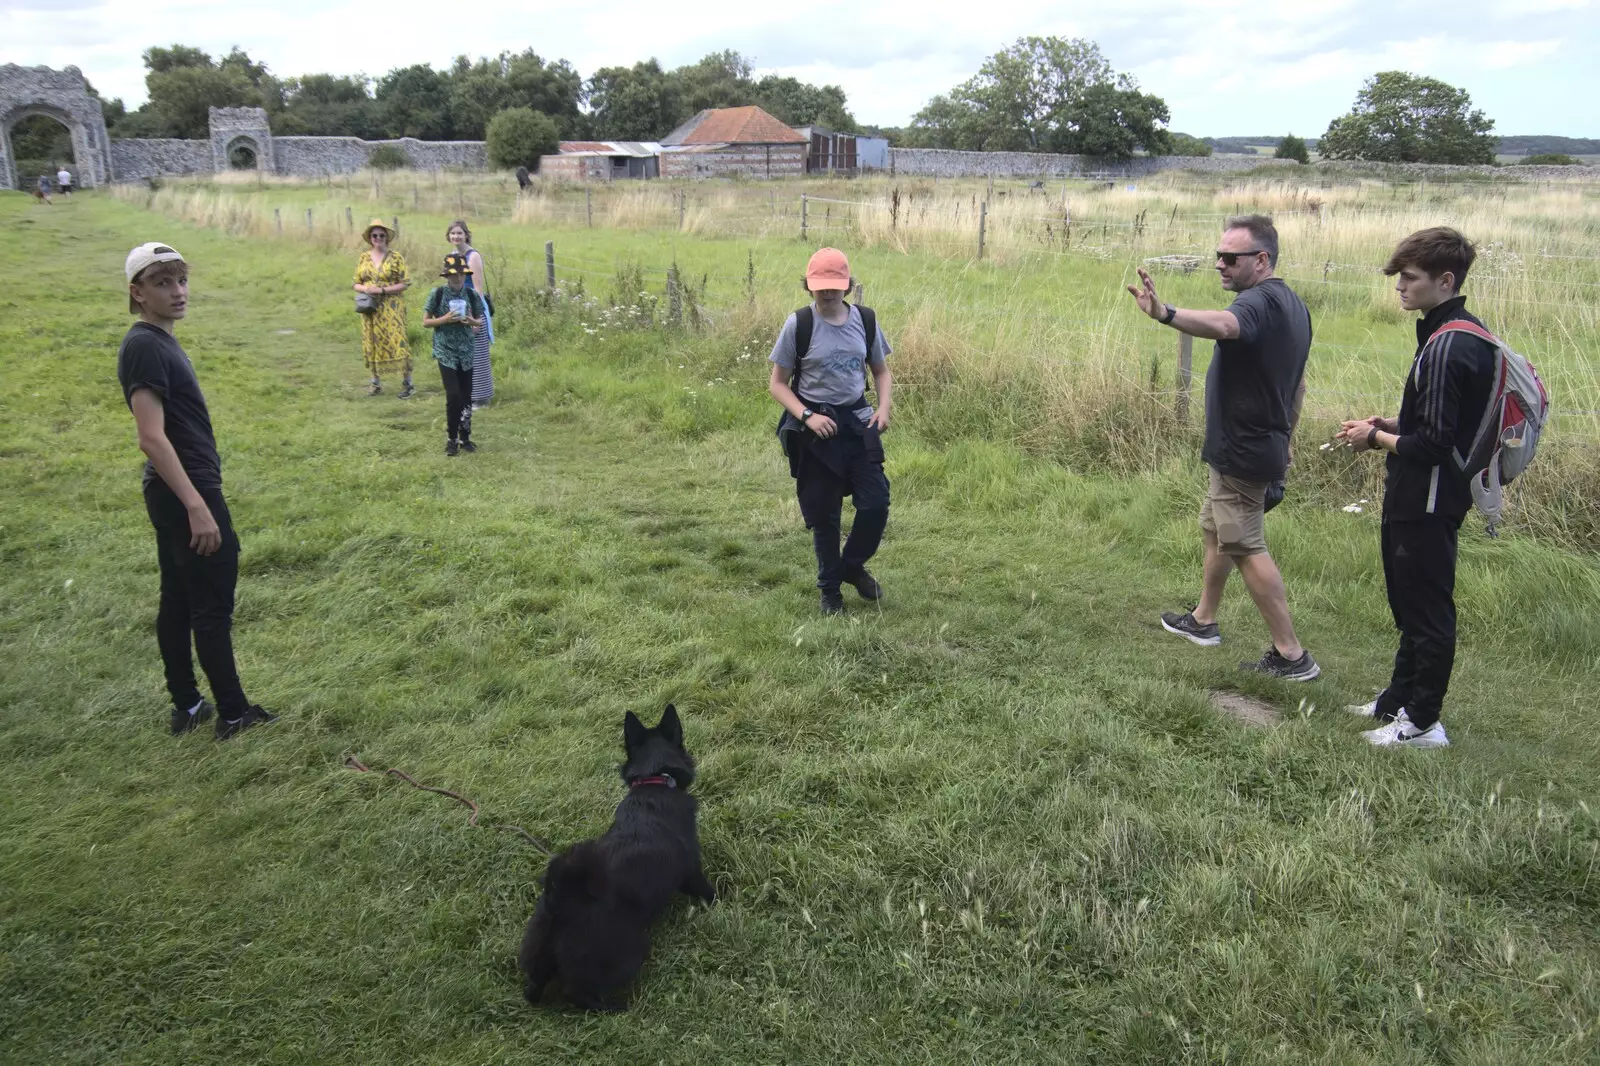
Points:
[[64, 96], [152, 157], [947, 163], [308, 157]]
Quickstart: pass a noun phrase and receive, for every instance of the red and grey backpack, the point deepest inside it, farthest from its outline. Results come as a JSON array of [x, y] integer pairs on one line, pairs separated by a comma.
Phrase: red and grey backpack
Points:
[[1508, 435]]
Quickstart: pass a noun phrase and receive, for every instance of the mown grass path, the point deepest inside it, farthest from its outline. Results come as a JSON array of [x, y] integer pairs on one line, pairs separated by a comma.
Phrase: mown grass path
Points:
[[996, 821]]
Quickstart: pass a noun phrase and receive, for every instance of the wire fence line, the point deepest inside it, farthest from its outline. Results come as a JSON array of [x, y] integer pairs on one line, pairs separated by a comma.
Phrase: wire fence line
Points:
[[1132, 372]]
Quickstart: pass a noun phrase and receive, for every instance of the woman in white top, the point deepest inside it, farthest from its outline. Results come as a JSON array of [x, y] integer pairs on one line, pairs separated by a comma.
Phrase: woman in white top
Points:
[[482, 374]]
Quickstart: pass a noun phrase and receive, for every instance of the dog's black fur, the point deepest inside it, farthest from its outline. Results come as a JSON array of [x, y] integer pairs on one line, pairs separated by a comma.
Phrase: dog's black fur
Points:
[[591, 929]]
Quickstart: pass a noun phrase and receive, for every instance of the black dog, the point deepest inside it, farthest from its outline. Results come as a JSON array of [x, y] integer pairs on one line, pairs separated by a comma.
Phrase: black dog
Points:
[[591, 928]]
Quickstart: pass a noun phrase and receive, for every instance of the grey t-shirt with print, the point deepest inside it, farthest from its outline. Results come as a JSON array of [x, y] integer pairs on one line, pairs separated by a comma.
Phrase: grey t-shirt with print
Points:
[[833, 371]]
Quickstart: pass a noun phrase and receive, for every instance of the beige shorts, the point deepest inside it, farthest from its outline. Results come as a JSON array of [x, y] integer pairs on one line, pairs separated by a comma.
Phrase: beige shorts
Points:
[[1235, 511]]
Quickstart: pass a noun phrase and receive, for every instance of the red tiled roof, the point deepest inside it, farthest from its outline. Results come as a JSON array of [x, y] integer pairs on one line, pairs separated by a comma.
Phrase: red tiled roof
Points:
[[735, 125]]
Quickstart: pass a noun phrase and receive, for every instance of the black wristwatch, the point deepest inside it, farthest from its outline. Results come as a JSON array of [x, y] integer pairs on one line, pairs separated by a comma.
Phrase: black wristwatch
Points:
[[1172, 312], [1372, 437], [806, 414]]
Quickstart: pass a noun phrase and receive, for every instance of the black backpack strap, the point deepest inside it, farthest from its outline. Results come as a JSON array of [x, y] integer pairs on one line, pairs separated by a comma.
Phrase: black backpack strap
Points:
[[869, 323], [804, 325]]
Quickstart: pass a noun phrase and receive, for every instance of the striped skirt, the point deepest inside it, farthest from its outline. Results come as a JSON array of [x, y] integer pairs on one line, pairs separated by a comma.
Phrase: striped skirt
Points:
[[482, 375]]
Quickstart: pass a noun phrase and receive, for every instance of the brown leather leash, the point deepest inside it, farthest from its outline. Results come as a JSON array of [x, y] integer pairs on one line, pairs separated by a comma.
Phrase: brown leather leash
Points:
[[353, 763]]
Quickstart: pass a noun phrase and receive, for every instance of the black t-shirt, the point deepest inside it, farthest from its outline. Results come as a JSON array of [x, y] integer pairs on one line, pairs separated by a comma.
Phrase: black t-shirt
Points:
[[1252, 381], [151, 358]]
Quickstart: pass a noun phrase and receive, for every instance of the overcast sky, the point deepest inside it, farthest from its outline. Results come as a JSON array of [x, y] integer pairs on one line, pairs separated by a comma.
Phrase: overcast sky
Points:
[[1224, 68]]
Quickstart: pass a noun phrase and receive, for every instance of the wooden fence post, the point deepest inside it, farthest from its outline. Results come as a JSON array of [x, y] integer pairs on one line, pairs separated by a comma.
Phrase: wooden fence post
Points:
[[395, 229], [308, 220], [1185, 373], [683, 203], [588, 206], [349, 220], [674, 297], [861, 301], [805, 211], [550, 265], [983, 226], [277, 219]]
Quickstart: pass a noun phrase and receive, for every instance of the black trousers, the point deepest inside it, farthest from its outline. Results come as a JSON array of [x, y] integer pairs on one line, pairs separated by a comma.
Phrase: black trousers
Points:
[[821, 492], [196, 601], [1419, 569], [457, 401]]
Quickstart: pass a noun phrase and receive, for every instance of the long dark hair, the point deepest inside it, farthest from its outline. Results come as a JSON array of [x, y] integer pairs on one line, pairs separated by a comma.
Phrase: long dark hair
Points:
[[463, 224]]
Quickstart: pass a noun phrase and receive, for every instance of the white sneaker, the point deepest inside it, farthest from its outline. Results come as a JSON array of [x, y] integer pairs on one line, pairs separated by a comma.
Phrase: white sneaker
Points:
[[1369, 710], [1408, 736]]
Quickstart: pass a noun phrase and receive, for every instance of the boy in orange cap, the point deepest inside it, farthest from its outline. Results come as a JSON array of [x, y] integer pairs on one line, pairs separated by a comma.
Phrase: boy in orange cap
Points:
[[830, 433]]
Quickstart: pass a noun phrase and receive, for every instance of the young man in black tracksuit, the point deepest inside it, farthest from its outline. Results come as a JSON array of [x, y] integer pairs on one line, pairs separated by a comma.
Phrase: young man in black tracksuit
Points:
[[1426, 488]]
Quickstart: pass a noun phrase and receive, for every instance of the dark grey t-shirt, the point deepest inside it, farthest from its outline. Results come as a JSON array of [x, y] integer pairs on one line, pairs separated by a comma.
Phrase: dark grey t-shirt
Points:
[[1252, 381], [151, 358], [833, 371]]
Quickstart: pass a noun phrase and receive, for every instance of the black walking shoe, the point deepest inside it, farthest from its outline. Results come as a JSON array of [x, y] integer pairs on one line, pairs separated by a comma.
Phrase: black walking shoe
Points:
[[451, 448], [1208, 635], [406, 393], [468, 446], [867, 585], [253, 716], [183, 721], [832, 602], [1272, 664]]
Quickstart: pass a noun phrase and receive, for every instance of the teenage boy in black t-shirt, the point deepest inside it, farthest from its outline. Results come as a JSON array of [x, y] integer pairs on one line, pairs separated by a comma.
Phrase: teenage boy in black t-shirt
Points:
[[1254, 390], [195, 543]]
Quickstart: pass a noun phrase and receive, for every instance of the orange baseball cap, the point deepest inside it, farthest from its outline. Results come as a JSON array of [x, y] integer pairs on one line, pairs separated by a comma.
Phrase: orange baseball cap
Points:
[[828, 269]]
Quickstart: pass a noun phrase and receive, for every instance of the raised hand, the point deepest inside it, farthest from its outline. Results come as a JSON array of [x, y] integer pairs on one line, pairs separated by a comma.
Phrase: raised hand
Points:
[[1145, 295]]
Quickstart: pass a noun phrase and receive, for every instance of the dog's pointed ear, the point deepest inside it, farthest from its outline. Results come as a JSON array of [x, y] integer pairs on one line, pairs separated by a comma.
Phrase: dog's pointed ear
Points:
[[633, 731], [670, 727]]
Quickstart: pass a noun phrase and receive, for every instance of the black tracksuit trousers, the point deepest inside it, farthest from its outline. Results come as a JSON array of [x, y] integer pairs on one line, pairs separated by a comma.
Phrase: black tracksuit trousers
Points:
[[1419, 569]]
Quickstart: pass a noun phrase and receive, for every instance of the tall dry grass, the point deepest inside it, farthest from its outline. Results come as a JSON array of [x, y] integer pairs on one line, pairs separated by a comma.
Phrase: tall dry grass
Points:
[[1039, 346]]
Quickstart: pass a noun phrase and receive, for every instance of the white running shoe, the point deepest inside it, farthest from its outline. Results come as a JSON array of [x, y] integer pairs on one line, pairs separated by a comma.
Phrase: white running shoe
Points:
[[1369, 710], [1406, 735]]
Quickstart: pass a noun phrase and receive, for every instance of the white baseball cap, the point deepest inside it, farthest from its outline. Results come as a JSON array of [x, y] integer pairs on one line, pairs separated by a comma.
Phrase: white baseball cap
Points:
[[148, 255]]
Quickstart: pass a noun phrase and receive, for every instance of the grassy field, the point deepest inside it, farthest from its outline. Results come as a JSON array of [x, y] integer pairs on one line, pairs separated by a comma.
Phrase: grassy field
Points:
[[1037, 343], [995, 821]]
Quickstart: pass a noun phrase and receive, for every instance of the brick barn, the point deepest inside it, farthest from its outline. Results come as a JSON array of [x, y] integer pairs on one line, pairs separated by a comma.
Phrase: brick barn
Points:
[[734, 142], [601, 161]]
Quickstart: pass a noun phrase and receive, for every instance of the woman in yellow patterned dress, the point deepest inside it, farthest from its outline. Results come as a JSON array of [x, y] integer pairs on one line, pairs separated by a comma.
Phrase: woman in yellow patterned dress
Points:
[[381, 272]]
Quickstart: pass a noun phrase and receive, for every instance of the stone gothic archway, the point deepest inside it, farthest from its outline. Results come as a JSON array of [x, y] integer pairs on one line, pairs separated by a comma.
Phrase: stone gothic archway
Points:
[[63, 96]]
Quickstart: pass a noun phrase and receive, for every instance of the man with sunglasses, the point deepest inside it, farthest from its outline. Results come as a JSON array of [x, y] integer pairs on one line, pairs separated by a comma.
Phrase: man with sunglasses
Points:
[[1254, 389]]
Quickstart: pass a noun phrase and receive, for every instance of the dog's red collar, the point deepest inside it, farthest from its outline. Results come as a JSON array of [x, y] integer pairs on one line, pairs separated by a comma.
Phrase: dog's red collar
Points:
[[654, 779]]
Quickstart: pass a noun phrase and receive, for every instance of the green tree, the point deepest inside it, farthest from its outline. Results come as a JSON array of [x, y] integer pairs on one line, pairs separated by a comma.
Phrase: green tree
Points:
[[1035, 96], [1402, 118], [1292, 147], [1183, 144], [328, 105], [798, 103], [637, 103], [1548, 159], [1111, 122], [414, 101], [518, 136], [184, 83], [721, 79]]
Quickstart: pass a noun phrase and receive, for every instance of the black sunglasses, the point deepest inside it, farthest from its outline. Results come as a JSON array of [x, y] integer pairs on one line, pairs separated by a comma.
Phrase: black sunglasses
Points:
[[1232, 258]]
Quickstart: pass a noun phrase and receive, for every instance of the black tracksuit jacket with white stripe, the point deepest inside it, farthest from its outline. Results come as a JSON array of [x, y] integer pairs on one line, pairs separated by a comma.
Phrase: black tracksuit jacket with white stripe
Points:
[[1449, 385]]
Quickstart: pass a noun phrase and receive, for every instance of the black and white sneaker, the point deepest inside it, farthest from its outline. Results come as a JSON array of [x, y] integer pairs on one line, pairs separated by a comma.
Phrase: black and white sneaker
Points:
[[1272, 664], [253, 716], [1207, 636], [183, 721], [451, 448]]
